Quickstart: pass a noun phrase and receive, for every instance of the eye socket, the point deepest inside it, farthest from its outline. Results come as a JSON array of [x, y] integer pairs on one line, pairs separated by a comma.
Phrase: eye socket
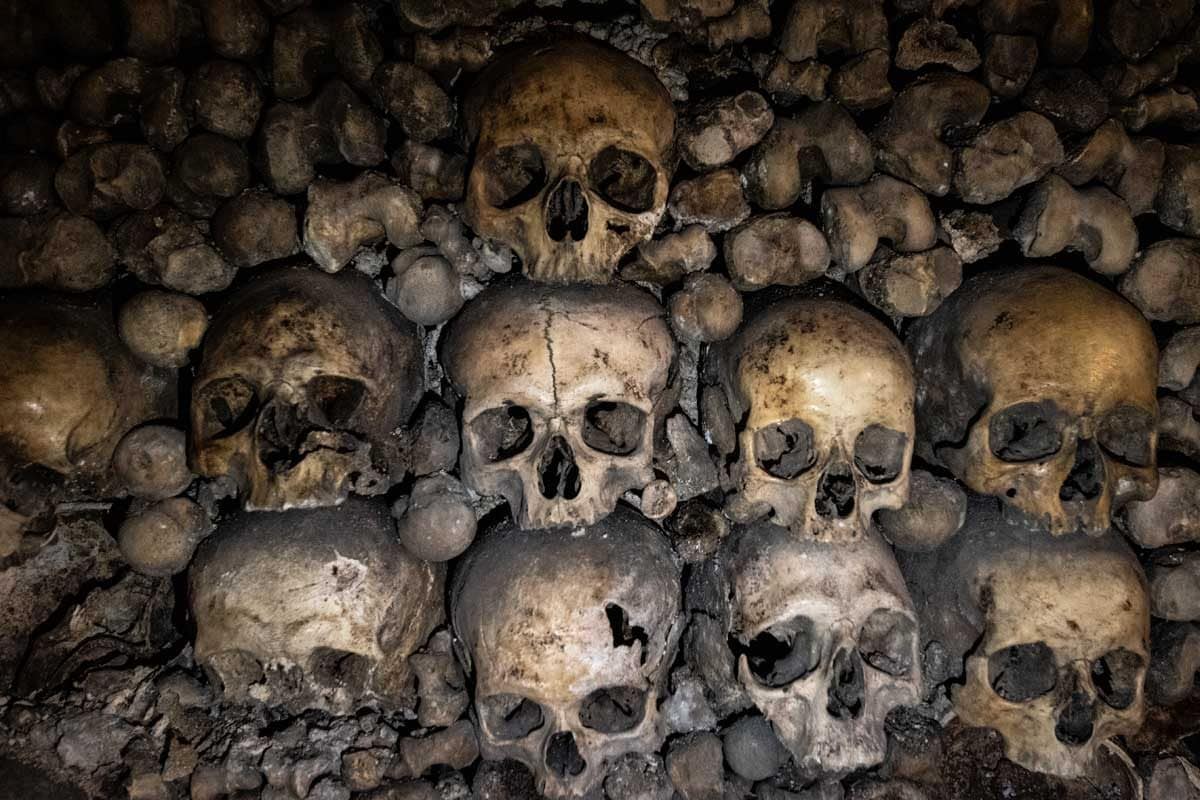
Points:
[[879, 453], [509, 717], [1126, 434], [613, 428], [886, 641], [624, 179], [786, 449], [1115, 676], [1026, 431], [615, 709], [336, 398], [1022, 672], [226, 406], [503, 432], [783, 653], [513, 175]]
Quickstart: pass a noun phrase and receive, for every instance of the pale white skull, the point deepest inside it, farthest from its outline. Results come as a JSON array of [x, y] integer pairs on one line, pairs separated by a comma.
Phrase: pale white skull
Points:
[[570, 636], [825, 392], [1054, 630], [304, 377], [1038, 386], [563, 389], [572, 156], [329, 592], [827, 640]]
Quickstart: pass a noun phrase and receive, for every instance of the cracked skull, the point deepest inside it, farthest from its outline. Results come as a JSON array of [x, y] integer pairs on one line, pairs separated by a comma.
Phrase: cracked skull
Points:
[[563, 390], [570, 636], [312, 608], [69, 390], [304, 376], [1038, 386], [1054, 632], [826, 395], [827, 642], [572, 142]]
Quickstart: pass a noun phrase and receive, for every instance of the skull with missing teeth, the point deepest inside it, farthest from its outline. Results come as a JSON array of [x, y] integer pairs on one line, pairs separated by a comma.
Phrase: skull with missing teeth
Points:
[[1051, 632], [1038, 386], [570, 636], [826, 392], [563, 389], [828, 642], [304, 377], [572, 143], [315, 608]]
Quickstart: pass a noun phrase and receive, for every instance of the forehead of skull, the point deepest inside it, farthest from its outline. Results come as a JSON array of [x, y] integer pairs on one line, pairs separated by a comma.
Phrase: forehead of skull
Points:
[[1047, 332], [568, 611], [776, 575], [528, 342], [283, 583], [821, 359], [305, 319], [571, 89]]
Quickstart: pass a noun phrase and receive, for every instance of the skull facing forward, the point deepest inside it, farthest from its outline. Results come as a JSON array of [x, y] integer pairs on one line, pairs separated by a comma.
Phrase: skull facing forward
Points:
[[563, 389], [826, 394], [827, 641], [572, 143], [1038, 386], [303, 378], [570, 636]]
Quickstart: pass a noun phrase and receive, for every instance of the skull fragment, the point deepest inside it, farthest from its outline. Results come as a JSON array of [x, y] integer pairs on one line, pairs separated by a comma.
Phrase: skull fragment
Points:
[[1038, 386], [563, 391], [304, 377], [572, 145], [826, 395], [570, 636], [1054, 631], [827, 642], [313, 609]]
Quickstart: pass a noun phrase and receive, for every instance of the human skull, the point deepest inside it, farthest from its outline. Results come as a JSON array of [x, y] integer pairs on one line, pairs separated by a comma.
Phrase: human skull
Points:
[[827, 642], [304, 376], [570, 636], [572, 147], [1038, 386], [563, 389], [69, 390], [826, 395], [328, 593], [1052, 634]]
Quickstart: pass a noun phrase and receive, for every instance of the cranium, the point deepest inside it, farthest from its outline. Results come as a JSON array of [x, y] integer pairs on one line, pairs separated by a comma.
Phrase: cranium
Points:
[[1038, 386], [304, 376], [572, 145], [826, 395], [69, 390], [570, 636], [330, 593], [564, 388], [828, 642], [1054, 631]]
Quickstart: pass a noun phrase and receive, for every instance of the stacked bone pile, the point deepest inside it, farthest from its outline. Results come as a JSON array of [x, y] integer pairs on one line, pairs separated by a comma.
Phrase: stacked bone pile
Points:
[[499, 399]]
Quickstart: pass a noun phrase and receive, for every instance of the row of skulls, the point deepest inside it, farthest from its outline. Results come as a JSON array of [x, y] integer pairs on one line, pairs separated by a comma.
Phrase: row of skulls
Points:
[[1034, 385]]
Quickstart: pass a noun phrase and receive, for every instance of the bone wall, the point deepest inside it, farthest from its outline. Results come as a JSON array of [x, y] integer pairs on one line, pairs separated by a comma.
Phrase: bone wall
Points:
[[638, 400]]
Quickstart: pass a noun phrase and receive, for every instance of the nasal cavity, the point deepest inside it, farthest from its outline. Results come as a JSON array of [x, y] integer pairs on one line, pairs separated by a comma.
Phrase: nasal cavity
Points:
[[835, 491], [1074, 726], [846, 686], [1086, 479], [567, 212], [558, 475], [562, 756]]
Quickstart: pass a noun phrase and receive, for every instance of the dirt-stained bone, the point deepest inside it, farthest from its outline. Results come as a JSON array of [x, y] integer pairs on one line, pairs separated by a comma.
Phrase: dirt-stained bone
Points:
[[1093, 221], [1038, 386], [1130, 167], [343, 217], [571, 157], [856, 218]]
